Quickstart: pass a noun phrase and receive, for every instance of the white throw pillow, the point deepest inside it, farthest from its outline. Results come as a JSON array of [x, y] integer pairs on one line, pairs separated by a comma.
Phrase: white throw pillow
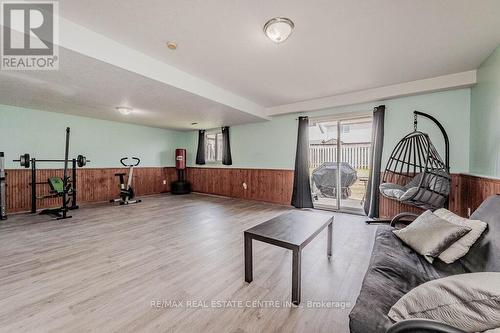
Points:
[[460, 248], [470, 302], [429, 235]]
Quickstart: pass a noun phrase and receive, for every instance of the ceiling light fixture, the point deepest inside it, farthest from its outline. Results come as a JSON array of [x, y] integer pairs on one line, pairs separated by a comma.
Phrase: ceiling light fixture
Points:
[[278, 29], [172, 45], [124, 110]]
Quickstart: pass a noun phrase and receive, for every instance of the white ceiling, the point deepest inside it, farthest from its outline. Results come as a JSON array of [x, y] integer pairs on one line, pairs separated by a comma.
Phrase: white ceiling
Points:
[[88, 87], [338, 46], [226, 72]]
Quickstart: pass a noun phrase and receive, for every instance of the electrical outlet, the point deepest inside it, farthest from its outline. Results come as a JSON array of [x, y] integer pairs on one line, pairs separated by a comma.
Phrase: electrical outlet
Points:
[[164, 182], [245, 186]]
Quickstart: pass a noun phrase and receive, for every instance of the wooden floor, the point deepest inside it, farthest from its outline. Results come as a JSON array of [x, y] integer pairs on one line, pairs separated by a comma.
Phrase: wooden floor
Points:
[[101, 270]]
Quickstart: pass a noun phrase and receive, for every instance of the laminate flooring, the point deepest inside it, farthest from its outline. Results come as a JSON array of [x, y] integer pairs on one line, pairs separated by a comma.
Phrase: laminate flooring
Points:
[[173, 264]]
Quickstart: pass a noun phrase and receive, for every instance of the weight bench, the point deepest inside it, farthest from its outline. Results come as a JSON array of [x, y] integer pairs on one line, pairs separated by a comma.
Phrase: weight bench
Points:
[[56, 185]]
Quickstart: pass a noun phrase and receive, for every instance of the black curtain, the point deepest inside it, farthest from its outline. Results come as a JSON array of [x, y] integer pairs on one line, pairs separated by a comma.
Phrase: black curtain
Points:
[[371, 205], [200, 154], [301, 196], [226, 147]]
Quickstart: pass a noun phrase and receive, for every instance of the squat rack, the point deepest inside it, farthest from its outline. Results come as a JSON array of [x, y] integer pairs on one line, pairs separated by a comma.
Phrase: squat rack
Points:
[[66, 180], [69, 183]]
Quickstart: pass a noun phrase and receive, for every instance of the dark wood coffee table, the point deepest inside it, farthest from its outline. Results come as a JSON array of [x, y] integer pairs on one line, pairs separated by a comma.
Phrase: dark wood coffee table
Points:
[[292, 230]]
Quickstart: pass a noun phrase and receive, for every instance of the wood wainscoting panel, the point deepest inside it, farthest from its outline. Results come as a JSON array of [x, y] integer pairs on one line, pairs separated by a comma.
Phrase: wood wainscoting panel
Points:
[[474, 189], [276, 186], [268, 185], [93, 185]]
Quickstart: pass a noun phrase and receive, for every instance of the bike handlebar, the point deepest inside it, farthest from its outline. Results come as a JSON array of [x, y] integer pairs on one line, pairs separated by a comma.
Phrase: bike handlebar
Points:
[[138, 161]]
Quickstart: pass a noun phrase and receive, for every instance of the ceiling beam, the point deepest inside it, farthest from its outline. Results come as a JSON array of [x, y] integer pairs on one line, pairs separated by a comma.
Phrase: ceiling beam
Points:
[[440, 83], [82, 40]]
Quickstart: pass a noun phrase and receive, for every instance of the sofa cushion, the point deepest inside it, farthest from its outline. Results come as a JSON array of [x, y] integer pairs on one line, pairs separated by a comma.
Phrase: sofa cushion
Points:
[[484, 255], [430, 235], [394, 270], [470, 302], [461, 246]]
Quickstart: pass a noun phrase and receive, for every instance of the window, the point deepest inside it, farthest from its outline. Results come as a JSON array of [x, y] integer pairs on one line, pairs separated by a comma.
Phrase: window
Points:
[[213, 147]]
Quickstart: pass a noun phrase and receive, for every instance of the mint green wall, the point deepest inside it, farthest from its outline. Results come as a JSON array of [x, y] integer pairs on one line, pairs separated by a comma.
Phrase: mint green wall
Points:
[[485, 119], [272, 144], [42, 134], [268, 144]]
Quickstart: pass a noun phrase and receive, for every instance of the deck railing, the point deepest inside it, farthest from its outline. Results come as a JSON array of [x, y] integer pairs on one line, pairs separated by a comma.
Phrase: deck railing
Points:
[[356, 154]]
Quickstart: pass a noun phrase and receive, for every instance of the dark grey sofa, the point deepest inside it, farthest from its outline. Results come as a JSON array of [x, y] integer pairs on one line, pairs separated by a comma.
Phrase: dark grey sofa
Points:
[[395, 269]]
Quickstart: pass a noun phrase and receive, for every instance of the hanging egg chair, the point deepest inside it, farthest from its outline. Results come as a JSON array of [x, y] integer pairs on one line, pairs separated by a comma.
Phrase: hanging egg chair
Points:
[[415, 173]]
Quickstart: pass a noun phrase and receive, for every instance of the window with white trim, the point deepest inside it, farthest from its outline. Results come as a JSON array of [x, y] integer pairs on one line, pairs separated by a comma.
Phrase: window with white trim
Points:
[[213, 147]]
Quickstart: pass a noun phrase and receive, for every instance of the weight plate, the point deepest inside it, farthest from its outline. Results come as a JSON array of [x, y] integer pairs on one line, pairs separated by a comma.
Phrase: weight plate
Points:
[[81, 161], [25, 160]]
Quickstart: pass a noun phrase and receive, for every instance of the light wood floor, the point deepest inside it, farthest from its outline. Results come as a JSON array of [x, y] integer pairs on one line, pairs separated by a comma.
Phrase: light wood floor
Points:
[[101, 270]]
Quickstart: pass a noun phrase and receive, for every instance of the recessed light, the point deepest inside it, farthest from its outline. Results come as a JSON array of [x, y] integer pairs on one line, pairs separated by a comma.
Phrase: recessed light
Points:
[[124, 110], [278, 29], [172, 45]]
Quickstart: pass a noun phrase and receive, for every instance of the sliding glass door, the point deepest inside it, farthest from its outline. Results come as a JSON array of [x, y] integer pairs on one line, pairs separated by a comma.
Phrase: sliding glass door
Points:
[[323, 163], [339, 151], [356, 137]]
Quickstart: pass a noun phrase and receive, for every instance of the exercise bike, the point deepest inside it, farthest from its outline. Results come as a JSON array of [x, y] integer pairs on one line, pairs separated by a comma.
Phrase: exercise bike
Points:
[[127, 194]]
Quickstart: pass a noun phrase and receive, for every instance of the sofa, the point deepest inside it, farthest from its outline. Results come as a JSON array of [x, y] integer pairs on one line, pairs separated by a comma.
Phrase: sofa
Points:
[[395, 269]]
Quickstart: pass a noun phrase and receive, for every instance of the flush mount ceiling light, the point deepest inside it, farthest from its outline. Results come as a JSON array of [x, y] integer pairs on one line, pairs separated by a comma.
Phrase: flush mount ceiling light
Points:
[[278, 29], [124, 110]]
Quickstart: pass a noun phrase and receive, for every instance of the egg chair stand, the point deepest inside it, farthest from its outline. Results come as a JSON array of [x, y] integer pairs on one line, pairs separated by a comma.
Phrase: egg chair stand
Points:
[[415, 173]]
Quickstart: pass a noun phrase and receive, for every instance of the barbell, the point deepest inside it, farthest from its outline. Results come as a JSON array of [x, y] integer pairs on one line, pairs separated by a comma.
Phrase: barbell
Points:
[[25, 160]]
